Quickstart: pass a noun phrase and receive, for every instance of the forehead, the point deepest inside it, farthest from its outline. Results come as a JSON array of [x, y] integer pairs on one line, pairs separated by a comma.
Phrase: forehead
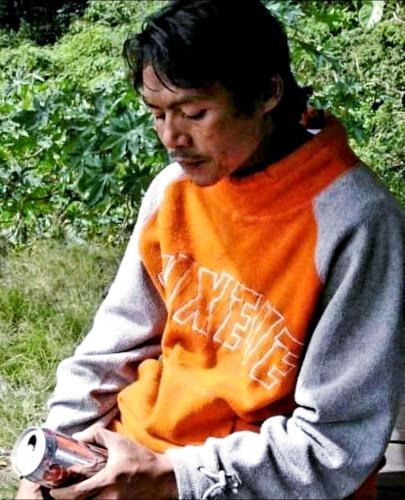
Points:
[[155, 93]]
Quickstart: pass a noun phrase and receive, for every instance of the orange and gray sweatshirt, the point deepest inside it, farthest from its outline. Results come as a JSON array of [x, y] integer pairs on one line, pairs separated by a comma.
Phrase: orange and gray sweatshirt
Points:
[[253, 331]]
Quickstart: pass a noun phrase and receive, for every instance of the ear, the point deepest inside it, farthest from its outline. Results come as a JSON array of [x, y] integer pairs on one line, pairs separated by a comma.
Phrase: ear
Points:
[[273, 96]]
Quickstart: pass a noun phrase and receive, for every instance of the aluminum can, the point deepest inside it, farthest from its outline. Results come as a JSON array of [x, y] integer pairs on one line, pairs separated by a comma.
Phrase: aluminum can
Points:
[[53, 459]]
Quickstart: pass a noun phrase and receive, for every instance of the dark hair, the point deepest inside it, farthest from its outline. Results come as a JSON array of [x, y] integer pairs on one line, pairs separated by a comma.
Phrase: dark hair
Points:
[[196, 43]]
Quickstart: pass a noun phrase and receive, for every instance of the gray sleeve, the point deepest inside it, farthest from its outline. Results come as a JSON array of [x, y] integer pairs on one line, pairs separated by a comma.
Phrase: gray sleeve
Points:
[[126, 330], [349, 383]]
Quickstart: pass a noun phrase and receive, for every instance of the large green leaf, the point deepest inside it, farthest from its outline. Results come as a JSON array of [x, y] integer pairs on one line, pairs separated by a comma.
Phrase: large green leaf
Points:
[[371, 13]]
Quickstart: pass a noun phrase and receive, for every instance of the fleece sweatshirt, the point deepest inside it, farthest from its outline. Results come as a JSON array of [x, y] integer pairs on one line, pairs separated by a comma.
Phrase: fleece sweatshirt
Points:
[[253, 331]]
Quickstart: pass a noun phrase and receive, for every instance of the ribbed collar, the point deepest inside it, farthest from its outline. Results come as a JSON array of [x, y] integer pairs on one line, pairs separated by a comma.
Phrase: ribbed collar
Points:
[[289, 183]]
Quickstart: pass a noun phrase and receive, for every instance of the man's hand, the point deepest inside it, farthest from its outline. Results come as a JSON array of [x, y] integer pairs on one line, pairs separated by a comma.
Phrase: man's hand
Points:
[[29, 491], [132, 471]]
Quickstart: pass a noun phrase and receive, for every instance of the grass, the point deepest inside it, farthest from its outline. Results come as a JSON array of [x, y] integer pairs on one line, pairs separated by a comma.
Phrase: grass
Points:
[[48, 295]]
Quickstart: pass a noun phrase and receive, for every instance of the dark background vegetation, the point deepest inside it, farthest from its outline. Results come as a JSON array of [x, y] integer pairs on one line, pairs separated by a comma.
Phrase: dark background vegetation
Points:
[[47, 20]]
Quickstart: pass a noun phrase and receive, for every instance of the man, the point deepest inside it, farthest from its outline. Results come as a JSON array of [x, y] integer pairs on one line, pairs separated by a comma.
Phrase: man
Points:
[[250, 345]]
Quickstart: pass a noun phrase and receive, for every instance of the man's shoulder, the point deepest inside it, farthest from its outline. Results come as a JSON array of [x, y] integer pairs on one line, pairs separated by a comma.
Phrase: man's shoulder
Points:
[[356, 207], [356, 196]]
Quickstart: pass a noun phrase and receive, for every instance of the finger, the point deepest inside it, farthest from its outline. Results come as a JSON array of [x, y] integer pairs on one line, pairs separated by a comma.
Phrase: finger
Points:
[[87, 470], [86, 434], [109, 494], [85, 489], [106, 439], [103, 436]]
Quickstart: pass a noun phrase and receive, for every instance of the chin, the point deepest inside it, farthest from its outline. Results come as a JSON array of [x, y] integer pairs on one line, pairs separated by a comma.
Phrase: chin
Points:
[[202, 181], [204, 175], [201, 178]]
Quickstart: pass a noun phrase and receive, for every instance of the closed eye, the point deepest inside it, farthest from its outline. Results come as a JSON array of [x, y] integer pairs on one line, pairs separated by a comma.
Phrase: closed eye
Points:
[[196, 116]]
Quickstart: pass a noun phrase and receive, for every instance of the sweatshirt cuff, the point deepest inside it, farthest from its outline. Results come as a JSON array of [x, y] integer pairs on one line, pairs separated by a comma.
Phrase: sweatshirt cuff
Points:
[[191, 483]]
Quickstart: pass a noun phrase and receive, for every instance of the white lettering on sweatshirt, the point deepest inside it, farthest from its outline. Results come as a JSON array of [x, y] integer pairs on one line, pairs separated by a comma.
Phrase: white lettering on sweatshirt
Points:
[[233, 315]]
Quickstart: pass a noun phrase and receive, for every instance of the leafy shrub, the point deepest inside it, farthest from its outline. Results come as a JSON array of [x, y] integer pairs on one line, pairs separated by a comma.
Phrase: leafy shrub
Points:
[[121, 12], [346, 50], [42, 22], [77, 148]]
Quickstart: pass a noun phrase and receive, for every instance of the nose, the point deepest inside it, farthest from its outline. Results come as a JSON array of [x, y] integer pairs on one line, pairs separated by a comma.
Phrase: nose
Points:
[[172, 135]]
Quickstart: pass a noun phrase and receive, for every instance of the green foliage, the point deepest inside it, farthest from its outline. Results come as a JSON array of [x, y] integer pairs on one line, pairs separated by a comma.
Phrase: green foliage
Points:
[[351, 54], [38, 20], [77, 148], [371, 13], [48, 295], [120, 12]]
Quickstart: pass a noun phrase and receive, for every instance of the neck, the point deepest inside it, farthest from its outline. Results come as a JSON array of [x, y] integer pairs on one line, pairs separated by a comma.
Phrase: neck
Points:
[[278, 144]]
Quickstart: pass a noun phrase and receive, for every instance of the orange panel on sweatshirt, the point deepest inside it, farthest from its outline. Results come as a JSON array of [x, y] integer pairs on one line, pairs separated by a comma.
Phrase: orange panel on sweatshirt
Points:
[[236, 326]]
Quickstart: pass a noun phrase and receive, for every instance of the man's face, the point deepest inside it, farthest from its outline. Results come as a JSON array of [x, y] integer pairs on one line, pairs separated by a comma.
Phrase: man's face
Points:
[[202, 130]]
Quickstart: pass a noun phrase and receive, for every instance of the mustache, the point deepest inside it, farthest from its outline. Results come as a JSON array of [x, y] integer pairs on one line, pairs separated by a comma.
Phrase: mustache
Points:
[[184, 156]]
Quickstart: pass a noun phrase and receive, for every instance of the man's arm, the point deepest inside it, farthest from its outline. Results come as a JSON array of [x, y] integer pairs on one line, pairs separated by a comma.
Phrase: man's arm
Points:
[[126, 330], [348, 387]]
